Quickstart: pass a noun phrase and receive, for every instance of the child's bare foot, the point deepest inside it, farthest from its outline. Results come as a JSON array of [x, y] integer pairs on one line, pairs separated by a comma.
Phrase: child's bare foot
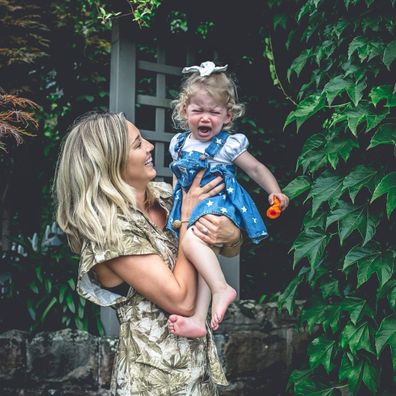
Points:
[[220, 302], [190, 327]]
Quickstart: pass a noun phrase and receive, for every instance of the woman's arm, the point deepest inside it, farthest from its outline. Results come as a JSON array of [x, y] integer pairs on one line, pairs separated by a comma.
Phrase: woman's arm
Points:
[[174, 291], [220, 230], [262, 176]]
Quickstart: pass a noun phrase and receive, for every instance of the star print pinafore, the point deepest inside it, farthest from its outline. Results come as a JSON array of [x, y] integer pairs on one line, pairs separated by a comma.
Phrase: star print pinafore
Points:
[[233, 202]]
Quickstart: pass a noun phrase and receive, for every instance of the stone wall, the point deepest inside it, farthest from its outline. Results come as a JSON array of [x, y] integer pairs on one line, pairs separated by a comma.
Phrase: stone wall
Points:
[[257, 345]]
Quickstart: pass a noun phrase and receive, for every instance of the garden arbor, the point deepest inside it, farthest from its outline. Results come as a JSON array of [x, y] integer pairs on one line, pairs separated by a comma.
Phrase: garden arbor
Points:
[[145, 76]]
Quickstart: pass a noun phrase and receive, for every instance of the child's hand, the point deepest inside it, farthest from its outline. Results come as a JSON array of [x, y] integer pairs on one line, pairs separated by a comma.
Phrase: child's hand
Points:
[[283, 199]]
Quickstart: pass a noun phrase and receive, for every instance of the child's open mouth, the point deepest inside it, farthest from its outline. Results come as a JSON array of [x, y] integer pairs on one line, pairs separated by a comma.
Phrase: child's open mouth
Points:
[[204, 130]]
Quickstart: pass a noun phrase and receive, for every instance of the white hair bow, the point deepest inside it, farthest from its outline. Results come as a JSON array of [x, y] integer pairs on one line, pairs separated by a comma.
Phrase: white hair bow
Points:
[[205, 69]]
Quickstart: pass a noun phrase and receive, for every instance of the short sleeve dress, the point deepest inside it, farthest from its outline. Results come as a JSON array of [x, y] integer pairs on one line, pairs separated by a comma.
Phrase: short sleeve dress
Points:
[[150, 360]]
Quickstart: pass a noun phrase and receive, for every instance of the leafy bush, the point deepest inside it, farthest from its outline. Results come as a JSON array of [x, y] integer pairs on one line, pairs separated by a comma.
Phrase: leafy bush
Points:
[[345, 252], [41, 286]]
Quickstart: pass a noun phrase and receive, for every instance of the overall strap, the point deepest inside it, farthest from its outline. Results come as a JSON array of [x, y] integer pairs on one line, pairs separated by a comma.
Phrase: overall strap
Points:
[[181, 139], [216, 144]]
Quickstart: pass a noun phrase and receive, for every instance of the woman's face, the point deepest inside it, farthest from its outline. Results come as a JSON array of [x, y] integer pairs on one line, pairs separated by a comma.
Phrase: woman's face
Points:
[[140, 169]]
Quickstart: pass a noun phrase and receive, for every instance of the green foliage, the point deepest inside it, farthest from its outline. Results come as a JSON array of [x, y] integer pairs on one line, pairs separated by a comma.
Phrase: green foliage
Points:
[[43, 285], [344, 74]]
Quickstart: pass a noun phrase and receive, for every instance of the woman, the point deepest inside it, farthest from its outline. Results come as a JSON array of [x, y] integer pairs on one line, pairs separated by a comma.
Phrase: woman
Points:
[[115, 217]]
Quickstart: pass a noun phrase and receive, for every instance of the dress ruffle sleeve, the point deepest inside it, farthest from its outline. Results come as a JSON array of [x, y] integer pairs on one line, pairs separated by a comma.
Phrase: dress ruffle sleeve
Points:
[[234, 146], [134, 242], [172, 146]]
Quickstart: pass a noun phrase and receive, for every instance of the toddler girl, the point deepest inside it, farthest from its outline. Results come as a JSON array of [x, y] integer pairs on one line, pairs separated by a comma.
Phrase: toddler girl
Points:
[[206, 107]]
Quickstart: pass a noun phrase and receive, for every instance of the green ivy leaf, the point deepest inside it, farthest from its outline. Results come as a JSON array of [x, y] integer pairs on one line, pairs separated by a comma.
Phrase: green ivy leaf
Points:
[[326, 188], [312, 155], [309, 387], [356, 43], [382, 265], [336, 86], [389, 54], [286, 299], [386, 134], [311, 243], [386, 335], [374, 119], [299, 375], [387, 186], [330, 289], [332, 319], [299, 63], [357, 338], [355, 307], [355, 92], [314, 315], [297, 187], [370, 377], [305, 109], [383, 92], [360, 177], [355, 117], [339, 147], [348, 217], [358, 253], [320, 353], [388, 290], [318, 220]]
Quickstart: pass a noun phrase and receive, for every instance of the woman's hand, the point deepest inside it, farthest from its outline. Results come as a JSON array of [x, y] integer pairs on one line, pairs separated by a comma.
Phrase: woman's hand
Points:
[[283, 199], [196, 193], [216, 230]]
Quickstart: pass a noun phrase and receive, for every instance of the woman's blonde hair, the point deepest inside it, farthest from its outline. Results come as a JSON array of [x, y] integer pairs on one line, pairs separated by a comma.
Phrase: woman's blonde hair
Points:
[[89, 180], [218, 85]]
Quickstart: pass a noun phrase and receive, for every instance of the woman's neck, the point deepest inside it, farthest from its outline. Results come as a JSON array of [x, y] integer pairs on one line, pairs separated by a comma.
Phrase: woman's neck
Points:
[[140, 195]]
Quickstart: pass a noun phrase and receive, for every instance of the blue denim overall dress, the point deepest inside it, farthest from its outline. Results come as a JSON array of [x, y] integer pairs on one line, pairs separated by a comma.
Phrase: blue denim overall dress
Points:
[[233, 202]]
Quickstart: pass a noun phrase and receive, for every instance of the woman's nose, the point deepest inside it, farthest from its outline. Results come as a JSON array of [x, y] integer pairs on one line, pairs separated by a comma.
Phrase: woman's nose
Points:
[[149, 146]]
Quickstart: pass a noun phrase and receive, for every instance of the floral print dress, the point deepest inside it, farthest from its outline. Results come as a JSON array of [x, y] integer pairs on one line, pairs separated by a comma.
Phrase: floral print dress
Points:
[[150, 360]]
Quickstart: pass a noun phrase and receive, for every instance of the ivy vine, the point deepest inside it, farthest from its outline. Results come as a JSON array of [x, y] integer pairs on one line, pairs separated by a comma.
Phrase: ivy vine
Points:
[[345, 252]]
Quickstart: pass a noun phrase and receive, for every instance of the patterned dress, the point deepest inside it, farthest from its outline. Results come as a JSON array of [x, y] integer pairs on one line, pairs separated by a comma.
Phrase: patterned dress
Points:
[[150, 361], [216, 157]]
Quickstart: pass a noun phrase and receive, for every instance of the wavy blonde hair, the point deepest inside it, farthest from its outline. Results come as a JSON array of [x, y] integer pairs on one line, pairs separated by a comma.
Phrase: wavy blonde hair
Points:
[[89, 187], [218, 85]]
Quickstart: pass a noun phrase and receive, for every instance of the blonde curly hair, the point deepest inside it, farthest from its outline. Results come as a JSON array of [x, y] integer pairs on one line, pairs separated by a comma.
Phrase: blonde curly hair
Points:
[[218, 85]]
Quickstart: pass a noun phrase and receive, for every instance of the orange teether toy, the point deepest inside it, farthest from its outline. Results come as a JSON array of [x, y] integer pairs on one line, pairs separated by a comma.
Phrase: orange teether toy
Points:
[[274, 211]]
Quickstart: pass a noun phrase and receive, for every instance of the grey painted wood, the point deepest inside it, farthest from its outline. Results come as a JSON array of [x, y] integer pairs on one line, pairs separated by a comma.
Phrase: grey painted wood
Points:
[[153, 101], [156, 67], [122, 73]]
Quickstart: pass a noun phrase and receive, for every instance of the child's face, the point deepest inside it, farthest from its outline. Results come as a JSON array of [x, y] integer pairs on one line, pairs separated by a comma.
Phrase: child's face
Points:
[[205, 116]]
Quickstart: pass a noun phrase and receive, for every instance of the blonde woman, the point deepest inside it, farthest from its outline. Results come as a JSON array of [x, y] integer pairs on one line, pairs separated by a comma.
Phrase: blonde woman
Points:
[[114, 216]]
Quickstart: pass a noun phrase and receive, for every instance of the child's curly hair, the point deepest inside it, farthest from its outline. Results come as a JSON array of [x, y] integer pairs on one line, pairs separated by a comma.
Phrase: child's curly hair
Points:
[[218, 85]]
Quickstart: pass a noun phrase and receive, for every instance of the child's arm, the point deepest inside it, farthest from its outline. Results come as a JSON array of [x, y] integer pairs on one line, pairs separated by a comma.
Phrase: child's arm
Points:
[[262, 176]]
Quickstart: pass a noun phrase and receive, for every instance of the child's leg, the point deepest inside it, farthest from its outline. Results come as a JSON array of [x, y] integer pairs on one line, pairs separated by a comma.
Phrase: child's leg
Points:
[[193, 326], [205, 261]]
